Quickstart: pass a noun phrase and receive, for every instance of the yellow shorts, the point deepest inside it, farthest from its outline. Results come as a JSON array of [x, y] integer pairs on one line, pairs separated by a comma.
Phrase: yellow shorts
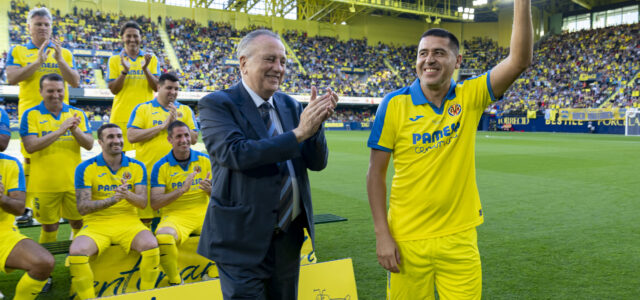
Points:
[[121, 230], [184, 225], [127, 146], [450, 263], [49, 207], [8, 239]]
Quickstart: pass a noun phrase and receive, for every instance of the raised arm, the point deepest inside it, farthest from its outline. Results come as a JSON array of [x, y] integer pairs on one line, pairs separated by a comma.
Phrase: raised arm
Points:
[[32, 143], [521, 50], [386, 248], [138, 197], [160, 199]]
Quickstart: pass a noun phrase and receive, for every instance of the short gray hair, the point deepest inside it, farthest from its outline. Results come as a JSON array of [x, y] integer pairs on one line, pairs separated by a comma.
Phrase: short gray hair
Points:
[[39, 12], [243, 47]]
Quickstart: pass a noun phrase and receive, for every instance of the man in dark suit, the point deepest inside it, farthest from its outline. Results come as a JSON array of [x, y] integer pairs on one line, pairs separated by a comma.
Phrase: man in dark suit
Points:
[[261, 143]]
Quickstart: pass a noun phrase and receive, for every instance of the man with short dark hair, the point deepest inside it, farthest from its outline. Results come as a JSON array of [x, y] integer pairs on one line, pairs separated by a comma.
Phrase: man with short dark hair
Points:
[[132, 77], [147, 127], [180, 185], [428, 240], [53, 133], [109, 187], [261, 143]]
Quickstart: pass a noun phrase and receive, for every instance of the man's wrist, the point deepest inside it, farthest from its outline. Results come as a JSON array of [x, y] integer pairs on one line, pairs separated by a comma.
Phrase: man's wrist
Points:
[[123, 73]]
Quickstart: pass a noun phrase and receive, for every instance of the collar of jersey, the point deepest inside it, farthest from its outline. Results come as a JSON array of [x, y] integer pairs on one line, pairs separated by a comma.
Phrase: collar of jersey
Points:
[[31, 45], [418, 98], [43, 109], [101, 163], [173, 161], [140, 53], [155, 103]]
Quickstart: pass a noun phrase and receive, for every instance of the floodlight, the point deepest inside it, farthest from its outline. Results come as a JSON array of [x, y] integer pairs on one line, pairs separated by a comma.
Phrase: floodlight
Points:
[[428, 19], [352, 9], [466, 9], [460, 8], [471, 10]]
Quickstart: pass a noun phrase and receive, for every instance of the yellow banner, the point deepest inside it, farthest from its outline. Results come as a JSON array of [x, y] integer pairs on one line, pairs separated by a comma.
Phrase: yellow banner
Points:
[[116, 273], [590, 114], [333, 280]]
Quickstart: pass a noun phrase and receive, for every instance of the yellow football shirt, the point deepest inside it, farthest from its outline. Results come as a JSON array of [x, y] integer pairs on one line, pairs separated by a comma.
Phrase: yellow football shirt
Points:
[[135, 90], [12, 178], [23, 55], [168, 173], [434, 191], [96, 175], [150, 114], [62, 156]]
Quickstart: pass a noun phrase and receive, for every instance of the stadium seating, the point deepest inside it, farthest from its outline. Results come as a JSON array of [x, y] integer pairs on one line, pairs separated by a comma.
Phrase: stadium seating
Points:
[[594, 68]]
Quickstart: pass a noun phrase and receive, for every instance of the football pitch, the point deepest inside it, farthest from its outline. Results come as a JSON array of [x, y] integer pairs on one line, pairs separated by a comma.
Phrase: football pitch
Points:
[[559, 216]]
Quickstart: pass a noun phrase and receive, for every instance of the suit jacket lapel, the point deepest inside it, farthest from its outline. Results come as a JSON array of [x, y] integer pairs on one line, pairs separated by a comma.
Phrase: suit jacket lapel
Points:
[[284, 113], [250, 111]]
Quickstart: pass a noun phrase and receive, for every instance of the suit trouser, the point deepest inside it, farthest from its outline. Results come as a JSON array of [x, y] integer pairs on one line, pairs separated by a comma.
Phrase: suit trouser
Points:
[[275, 278]]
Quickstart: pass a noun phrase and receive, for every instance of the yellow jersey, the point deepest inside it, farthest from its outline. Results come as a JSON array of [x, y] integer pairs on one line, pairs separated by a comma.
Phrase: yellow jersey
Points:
[[434, 191], [96, 175], [12, 178], [168, 173], [62, 156], [135, 90], [23, 55], [150, 114]]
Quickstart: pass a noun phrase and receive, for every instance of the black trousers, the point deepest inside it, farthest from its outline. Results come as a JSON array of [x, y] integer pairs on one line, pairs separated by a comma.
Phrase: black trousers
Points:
[[276, 277]]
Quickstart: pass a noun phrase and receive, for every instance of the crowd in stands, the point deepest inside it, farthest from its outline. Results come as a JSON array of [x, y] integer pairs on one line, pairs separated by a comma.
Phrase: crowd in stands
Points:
[[353, 115], [3, 65], [88, 29], [582, 69]]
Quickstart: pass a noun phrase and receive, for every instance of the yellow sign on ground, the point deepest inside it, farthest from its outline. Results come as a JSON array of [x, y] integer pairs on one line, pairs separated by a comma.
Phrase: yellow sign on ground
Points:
[[333, 280]]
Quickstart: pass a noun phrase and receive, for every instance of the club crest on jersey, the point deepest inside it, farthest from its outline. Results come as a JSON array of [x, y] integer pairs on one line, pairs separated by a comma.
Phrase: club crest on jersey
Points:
[[197, 168], [126, 175], [454, 110], [179, 115]]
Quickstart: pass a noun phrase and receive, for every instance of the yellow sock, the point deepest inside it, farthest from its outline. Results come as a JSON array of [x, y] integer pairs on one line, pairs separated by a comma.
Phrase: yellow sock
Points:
[[81, 276], [48, 236], [169, 257], [149, 268], [28, 288], [75, 232]]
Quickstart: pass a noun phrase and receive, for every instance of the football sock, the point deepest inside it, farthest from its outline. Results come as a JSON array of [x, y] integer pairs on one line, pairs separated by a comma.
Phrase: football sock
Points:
[[149, 268], [28, 288], [47, 236], [169, 257], [81, 276]]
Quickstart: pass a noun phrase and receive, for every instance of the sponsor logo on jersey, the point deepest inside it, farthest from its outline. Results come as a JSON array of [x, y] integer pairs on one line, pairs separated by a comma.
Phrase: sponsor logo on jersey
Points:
[[416, 118]]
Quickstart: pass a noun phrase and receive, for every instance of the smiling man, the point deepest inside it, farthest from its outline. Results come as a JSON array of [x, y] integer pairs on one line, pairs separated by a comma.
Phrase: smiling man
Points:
[[108, 188], [428, 238], [147, 127], [132, 77], [180, 185], [53, 132], [261, 143]]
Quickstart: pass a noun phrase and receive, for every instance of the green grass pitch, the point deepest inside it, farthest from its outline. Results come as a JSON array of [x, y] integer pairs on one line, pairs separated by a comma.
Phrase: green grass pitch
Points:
[[561, 216]]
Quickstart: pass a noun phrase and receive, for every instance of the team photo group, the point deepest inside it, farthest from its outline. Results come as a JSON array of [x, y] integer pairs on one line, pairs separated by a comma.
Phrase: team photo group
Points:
[[248, 197]]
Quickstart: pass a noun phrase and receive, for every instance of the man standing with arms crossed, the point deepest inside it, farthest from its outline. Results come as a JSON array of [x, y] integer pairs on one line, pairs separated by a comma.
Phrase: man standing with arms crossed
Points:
[[53, 132], [147, 127], [180, 185], [429, 236], [108, 188], [27, 63]]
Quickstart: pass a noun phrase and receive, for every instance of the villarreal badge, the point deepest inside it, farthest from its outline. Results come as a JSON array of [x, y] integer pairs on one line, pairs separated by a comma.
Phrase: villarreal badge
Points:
[[454, 109]]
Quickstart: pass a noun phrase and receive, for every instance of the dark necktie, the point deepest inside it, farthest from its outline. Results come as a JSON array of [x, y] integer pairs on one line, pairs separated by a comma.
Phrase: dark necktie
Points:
[[285, 206]]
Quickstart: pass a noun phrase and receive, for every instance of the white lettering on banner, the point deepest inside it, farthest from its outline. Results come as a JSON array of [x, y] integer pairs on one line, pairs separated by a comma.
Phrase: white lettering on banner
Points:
[[327, 280]]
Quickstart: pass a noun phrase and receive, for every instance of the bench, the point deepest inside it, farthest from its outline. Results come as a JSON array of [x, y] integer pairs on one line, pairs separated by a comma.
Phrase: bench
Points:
[[62, 247]]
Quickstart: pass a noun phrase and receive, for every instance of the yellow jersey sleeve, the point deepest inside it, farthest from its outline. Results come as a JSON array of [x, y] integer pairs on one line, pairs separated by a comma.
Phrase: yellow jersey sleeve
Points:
[[383, 133], [113, 68], [139, 116]]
